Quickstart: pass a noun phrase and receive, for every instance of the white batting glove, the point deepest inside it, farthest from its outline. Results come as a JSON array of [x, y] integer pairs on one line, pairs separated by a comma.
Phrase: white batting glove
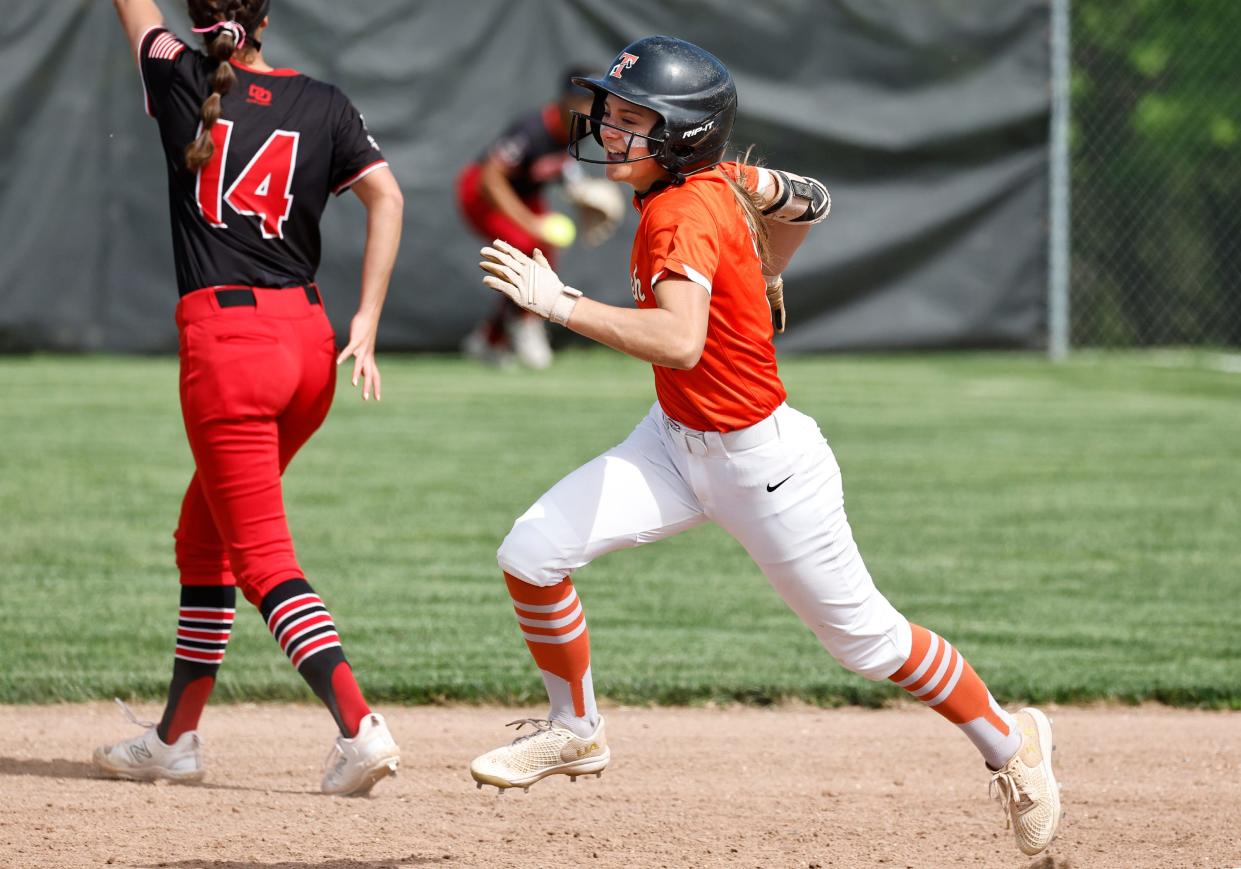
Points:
[[775, 300], [530, 282]]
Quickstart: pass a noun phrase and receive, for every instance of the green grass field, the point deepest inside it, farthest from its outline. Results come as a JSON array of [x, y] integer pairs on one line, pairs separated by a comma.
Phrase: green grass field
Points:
[[1075, 530]]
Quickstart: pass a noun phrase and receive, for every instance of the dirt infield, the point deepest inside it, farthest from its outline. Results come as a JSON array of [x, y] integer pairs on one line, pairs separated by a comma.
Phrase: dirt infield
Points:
[[688, 787]]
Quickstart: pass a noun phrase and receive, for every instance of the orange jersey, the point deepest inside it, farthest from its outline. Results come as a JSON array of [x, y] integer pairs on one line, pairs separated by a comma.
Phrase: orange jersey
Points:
[[697, 231]]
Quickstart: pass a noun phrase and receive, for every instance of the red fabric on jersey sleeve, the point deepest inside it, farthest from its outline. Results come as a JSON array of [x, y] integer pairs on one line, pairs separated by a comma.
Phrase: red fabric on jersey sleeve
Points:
[[158, 52], [355, 153]]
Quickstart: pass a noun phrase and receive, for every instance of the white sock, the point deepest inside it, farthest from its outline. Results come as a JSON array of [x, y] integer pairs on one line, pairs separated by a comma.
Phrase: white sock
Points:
[[562, 710], [997, 748]]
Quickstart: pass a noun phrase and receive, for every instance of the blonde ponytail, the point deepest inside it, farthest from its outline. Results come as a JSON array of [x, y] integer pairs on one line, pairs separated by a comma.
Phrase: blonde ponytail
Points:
[[751, 207]]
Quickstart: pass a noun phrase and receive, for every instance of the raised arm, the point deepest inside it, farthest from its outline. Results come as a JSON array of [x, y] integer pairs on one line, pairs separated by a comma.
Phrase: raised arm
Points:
[[385, 210], [137, 17]]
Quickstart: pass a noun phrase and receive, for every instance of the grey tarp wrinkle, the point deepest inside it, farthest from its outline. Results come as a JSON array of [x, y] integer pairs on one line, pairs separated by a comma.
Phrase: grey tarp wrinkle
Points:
[[926, 118]]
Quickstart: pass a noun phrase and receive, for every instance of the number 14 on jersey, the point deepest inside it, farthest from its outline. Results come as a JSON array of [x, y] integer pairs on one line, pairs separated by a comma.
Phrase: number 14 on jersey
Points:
[[262, 190]]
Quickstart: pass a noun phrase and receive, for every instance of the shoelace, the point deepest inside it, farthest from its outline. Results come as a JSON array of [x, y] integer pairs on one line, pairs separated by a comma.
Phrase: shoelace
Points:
[[337, 750], [333, 752], [128, 713], [540, 725], [1005, 789]]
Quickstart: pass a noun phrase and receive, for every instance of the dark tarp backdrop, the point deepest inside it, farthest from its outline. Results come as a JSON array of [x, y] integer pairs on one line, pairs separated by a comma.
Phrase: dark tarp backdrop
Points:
[[927, 119]]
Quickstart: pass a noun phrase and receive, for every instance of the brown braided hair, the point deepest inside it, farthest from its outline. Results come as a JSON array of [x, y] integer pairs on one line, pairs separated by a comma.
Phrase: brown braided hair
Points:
[[220, 44]]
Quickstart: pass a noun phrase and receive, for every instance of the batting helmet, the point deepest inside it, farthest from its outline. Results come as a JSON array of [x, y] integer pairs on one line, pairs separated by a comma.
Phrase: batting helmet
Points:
[[688, 88]]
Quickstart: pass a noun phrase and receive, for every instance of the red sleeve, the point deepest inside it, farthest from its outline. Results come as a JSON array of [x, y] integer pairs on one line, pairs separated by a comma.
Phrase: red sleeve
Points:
[[159, 49], [682, 239]]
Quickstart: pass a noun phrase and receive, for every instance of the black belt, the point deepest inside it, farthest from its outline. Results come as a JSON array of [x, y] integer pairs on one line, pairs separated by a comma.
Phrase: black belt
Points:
[[245, 298]]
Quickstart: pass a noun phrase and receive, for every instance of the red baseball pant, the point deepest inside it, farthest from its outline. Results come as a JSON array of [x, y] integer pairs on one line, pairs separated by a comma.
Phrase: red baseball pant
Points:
[[256, 382], [489, 222]]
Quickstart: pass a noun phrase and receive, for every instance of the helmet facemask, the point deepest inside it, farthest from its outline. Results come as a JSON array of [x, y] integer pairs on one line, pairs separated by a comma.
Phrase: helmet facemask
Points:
[[587, 127]]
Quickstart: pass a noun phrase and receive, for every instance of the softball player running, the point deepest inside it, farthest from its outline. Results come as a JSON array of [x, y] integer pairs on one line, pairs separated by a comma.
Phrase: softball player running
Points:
[[252, 153], [720, 444]]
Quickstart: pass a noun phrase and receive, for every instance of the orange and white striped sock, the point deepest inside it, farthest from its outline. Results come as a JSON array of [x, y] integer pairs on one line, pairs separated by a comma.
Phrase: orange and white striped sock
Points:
[[554, 627], [939, 676]]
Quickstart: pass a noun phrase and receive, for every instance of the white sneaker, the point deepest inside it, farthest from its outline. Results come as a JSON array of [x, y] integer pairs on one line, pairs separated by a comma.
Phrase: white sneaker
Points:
[[1026, 786], [528, 336], [476, 346], [147, 757], [551, 749], [353, 766]]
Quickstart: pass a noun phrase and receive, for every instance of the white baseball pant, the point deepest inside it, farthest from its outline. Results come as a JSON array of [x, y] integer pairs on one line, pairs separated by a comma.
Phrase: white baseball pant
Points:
[[774, 486]]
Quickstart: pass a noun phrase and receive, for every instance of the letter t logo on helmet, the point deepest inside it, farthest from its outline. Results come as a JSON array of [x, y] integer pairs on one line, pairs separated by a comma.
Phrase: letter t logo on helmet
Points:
[[623, 63]]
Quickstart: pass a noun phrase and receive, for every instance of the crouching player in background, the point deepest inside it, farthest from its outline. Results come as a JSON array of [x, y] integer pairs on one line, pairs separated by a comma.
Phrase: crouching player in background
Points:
[[501, 196]]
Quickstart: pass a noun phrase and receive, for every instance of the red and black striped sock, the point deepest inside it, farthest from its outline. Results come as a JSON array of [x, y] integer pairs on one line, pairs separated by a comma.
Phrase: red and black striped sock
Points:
[[303, 627], [204, 623]]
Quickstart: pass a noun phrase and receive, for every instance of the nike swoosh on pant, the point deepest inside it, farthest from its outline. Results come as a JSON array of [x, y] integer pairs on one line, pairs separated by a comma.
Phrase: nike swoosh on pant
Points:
[[771, 488]]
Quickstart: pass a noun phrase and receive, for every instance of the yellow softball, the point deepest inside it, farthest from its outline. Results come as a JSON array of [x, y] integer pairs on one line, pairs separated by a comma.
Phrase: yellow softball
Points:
[[559, 229]]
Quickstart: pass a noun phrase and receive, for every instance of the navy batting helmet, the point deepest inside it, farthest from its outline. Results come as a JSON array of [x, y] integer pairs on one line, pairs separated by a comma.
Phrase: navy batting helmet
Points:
[[688, 88]]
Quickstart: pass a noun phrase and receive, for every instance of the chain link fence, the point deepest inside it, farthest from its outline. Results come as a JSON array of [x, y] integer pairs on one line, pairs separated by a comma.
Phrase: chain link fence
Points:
[[1156, 173]]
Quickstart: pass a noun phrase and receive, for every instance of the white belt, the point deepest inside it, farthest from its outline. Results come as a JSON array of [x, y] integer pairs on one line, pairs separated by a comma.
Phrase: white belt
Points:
[[717, 443]]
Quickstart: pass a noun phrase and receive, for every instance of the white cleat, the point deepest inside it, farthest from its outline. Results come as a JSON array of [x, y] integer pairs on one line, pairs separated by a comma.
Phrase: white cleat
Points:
[[1026, 786], [551, 749], [148, 758], [355, 765], [528, 337]]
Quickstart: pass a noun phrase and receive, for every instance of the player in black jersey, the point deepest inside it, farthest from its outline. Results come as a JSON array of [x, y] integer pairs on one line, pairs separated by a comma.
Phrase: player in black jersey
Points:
[[252, 153], [500, 194]]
